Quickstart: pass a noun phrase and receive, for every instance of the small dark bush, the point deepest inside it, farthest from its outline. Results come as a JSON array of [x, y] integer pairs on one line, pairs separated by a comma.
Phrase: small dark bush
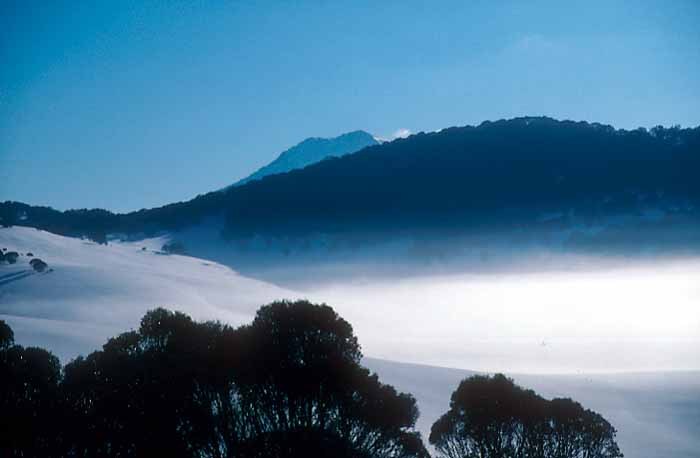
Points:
[[11, 257], [97, 236], [38, 264], [173, 248]]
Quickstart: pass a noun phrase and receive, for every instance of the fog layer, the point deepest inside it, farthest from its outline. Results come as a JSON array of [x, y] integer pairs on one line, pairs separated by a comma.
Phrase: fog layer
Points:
[[634, 318]]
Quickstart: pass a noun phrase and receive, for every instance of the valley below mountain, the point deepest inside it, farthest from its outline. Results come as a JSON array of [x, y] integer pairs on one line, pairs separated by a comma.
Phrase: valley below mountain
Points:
[[555, 332]]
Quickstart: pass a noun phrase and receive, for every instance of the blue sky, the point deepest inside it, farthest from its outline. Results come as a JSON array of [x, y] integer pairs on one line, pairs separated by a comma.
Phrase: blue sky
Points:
[[124, 105]]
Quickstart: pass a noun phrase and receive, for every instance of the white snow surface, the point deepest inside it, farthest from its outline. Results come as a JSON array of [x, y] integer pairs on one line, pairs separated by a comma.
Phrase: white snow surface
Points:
[[588, 326], [95, 291]]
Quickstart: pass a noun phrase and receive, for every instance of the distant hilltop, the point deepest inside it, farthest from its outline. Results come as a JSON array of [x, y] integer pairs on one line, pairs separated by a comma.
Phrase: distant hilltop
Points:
[[313, 150], [578, 185]]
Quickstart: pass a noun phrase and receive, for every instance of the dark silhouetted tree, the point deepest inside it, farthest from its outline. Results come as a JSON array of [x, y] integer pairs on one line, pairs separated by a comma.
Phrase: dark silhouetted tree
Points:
[[305, 382], [492, 417], [288, 385], [29, 400], [97, 236], [7, 337], [578, 432], [139, 395]]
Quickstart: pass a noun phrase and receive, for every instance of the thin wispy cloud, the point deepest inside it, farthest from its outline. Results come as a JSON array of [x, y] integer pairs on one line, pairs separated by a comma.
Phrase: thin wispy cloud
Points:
[[400, 133]]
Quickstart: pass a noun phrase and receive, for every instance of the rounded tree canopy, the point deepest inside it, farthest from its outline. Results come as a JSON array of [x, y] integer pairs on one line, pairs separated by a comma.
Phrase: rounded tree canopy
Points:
[[7, 336], [289, 384], [493, 413]]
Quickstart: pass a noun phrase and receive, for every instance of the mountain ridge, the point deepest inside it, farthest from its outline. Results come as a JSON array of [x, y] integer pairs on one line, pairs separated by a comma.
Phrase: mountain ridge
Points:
[[312, 150], [509, 175]]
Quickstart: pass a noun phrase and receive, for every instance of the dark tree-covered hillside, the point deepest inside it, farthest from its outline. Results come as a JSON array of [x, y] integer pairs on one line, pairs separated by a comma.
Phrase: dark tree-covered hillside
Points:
[[495, 175]]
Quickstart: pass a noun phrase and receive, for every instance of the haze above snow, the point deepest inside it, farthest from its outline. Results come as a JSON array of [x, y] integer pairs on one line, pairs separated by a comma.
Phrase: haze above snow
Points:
[[623, 319], [637, 318]]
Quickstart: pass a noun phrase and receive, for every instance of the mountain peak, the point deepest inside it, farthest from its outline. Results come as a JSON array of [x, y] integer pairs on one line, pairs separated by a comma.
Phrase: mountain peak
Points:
[[312, 150]]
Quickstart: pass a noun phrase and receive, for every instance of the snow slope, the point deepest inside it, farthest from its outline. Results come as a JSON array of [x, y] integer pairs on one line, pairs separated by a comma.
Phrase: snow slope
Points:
[[97, 291]]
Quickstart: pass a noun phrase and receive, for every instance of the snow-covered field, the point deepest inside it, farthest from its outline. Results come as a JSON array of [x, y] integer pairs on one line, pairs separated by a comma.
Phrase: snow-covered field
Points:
[[587, 325], [97, 291]]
